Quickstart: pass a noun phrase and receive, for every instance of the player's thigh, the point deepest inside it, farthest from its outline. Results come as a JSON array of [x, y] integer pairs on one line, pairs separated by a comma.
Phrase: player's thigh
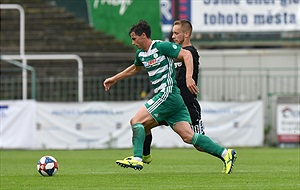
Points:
[[184, 130], [142, 116]]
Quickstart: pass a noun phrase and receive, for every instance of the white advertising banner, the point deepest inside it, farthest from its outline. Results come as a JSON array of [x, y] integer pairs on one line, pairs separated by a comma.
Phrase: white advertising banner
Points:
[[288, 123], [17, 124], [234, 123], [106, 125], [245, 15], [85, 125]]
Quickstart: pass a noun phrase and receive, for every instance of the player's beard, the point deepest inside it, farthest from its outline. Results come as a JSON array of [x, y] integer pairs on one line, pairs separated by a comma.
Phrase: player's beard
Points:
[[179, 41]]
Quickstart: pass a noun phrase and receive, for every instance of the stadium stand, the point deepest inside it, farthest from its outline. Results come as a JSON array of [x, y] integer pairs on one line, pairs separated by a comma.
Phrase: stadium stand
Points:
[[53, 30]]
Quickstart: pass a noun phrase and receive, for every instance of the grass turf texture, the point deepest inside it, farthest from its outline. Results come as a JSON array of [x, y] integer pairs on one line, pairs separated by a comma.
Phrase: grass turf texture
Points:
[[256, 168]]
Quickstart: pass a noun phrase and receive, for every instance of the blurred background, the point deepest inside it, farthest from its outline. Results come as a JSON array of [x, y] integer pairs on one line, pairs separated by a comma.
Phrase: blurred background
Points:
[[62, 50]]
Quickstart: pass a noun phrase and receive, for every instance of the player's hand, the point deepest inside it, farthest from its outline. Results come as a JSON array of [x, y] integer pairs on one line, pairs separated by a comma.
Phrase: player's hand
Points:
[[108, 83], [191, 85]]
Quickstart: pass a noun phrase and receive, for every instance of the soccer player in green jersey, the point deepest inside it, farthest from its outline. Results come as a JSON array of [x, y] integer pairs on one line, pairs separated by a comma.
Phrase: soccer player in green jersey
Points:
[[167, 103], [181, 33]]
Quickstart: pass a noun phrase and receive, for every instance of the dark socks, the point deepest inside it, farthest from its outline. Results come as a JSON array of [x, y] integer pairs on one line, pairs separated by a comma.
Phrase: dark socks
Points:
[[147, 144]]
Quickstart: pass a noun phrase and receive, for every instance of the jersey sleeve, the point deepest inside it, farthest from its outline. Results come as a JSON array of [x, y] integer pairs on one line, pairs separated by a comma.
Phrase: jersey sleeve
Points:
[[169, 49], [137, 61]]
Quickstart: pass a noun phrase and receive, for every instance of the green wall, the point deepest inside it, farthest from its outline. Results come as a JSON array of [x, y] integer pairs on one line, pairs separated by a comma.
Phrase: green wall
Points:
[[116, 17]]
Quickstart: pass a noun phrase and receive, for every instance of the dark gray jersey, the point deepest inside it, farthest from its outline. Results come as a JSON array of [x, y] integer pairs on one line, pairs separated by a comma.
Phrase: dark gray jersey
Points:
[[181, 72]]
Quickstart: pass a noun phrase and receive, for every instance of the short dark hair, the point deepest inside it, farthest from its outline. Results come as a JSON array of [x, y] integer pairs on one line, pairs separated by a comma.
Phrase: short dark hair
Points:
[[141, 27], [185, 24]]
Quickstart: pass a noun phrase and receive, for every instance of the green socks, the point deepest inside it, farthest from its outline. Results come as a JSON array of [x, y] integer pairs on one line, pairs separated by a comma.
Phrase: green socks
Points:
[[138, 139], [205, 143], [202, 141]]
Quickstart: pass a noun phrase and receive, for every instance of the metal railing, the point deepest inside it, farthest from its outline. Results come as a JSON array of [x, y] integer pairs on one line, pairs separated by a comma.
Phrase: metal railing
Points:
[[244, 84], [11, 82], [51, 57], [216, 84]]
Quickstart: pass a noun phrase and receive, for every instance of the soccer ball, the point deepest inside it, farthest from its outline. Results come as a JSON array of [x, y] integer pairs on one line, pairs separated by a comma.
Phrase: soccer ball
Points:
[[47, 166]]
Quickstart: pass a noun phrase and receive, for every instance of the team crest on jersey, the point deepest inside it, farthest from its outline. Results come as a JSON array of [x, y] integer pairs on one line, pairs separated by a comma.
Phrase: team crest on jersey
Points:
[[155, 55], [174, 46]]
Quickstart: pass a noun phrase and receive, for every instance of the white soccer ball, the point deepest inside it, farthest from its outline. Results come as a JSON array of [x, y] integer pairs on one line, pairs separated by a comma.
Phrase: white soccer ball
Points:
[[47, 166]]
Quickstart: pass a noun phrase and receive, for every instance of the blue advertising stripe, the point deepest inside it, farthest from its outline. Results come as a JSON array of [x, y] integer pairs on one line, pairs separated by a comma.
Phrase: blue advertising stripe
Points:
[[3, 107], [185, 9]]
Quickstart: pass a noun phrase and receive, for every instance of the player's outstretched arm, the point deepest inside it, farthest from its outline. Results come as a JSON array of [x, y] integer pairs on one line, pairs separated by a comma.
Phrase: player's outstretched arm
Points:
[[129, 71]]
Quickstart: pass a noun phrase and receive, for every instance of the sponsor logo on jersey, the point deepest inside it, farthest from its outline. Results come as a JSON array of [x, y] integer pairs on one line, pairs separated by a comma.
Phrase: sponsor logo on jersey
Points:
[[178, 64], [149, 63]]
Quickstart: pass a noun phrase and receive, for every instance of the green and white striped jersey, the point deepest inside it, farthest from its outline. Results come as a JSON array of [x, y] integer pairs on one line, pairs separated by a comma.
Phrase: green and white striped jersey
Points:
[[158, 61]]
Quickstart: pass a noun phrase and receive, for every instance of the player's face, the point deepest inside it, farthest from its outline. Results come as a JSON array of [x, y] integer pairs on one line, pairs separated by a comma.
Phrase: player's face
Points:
[[137, 40], [178, 35]]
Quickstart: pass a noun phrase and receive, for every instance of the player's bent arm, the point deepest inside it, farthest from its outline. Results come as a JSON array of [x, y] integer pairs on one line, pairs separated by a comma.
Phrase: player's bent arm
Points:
[[129, 71], [187, 58]]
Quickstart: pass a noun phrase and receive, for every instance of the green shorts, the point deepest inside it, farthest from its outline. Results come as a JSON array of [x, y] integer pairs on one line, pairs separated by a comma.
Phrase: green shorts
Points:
[[168, 107]]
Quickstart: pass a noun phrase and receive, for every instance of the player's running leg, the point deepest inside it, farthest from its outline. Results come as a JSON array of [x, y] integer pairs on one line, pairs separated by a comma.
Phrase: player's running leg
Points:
[[194, 109], [142, 122], [138, 138], [207, 145], [147, 157]]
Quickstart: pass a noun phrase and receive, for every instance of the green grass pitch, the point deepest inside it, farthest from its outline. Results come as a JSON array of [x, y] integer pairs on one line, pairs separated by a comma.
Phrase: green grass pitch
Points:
[[255, 169]]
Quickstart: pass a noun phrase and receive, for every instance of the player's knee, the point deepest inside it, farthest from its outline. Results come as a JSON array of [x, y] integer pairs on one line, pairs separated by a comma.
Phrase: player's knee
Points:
[[131, 121], [187, 138], [134, 121]]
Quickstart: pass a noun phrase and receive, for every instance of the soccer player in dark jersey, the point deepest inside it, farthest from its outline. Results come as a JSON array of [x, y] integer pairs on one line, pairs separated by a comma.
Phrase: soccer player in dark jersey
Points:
[[182, 30]]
